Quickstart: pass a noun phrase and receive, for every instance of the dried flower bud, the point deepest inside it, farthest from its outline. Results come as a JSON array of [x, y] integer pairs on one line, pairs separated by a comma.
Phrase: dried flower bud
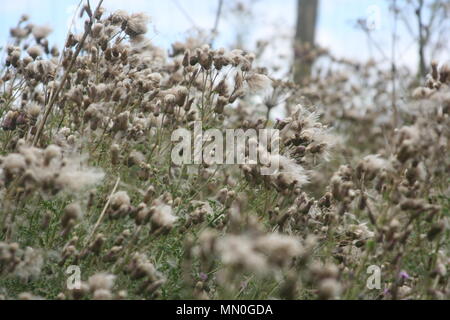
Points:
[[115, 154], [71, 213]]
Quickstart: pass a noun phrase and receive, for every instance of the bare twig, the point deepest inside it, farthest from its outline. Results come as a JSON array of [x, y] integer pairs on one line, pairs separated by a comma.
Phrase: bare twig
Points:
[[217, 21], [100, 218], [185, 14]]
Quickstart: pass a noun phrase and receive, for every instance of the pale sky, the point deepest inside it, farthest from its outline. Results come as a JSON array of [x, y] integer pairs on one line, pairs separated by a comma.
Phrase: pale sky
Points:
[[174, 20]]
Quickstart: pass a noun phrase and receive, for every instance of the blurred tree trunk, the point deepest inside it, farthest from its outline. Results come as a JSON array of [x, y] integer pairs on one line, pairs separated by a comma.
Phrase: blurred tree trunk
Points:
[[422, 40], [307, 11]]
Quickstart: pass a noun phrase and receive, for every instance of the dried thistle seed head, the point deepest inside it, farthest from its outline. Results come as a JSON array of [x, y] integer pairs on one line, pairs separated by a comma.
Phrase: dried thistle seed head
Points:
[[102, 294], [34, 51], [14, 163], [14, 57], [115, 154], [136, 158], [223, 195], [370, 166], [97, 30], [97, 244], [205, 59], [155, 78], [50, 153], [101, 281], [153, 287], [119, 199], [11, 49], [80, 293], [41, 32], [121, 295], [142, 215], [19, 33], [149, 193], [141, 267], [121, 122], [162, 217], [137, 25], [186, 59], [181, 94], [54, 51], [329, 289], [71, 213], [221, 88], [33, 110], [239, 252], [444, 74], [169, 100]]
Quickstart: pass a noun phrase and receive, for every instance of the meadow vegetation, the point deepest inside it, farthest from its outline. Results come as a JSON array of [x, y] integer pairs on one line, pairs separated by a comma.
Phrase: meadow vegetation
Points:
[[87, 179]]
